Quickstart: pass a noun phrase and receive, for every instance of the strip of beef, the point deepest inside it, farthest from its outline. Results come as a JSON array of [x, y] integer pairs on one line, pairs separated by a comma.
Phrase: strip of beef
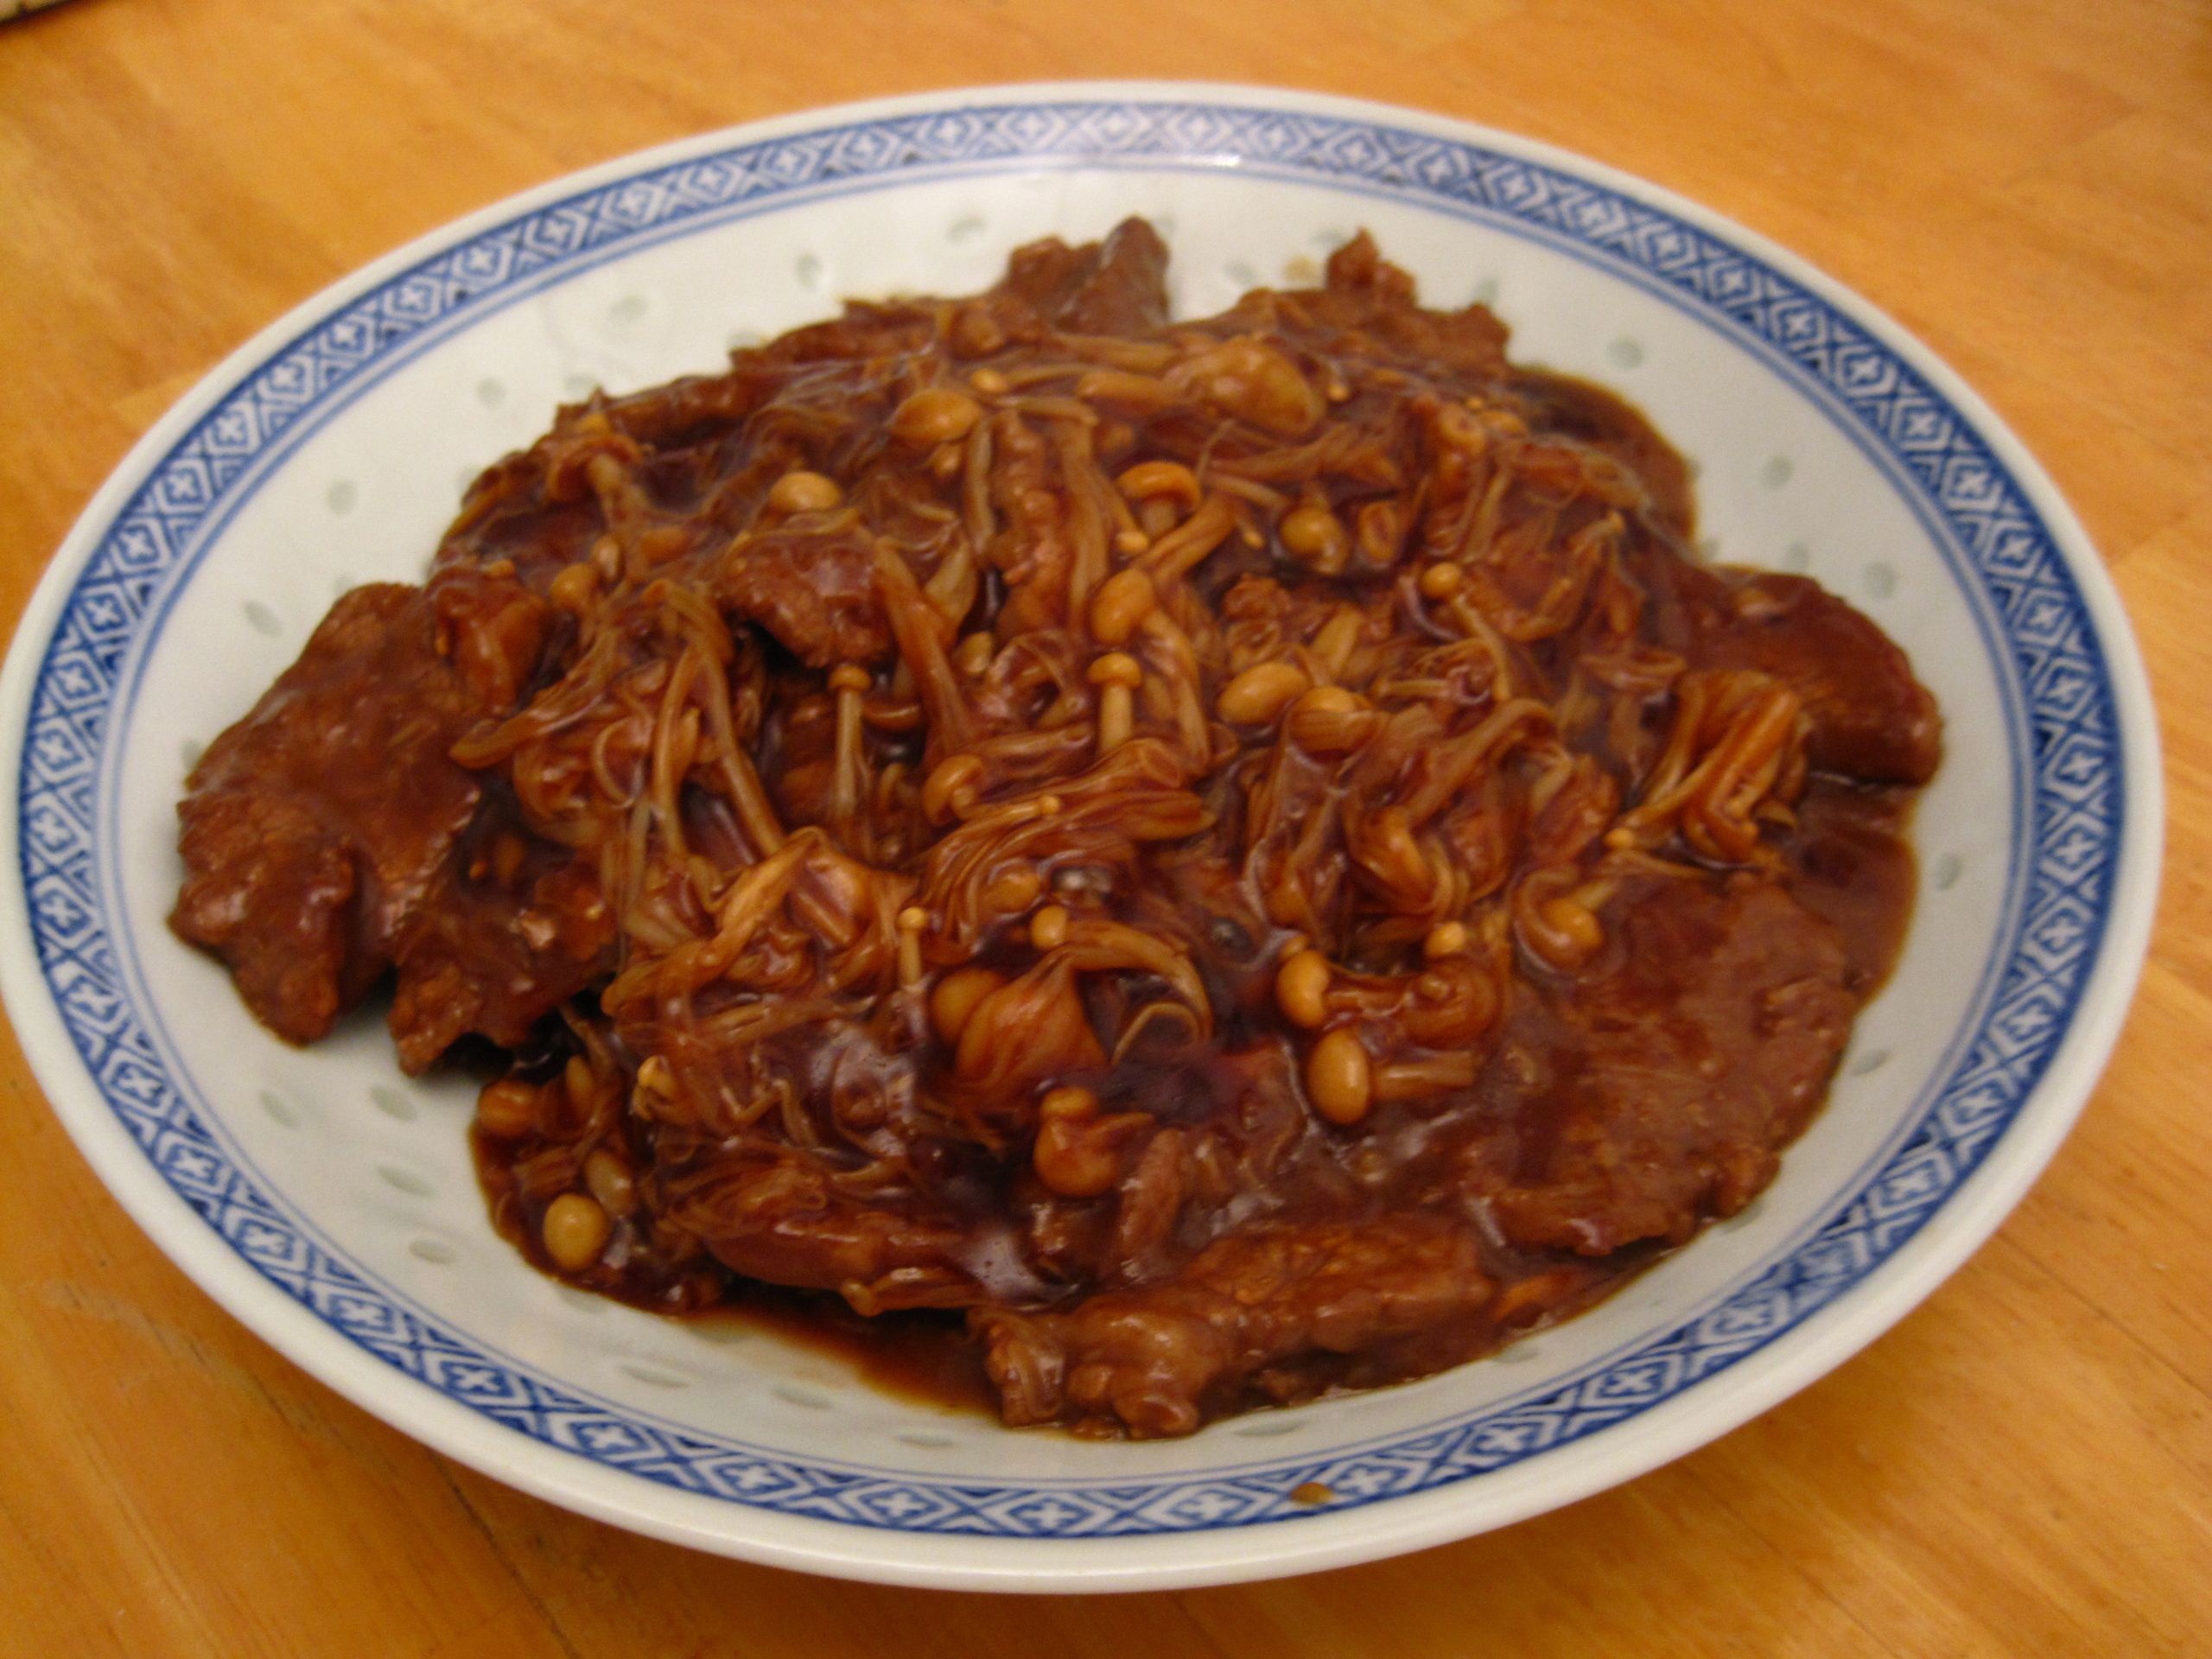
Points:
[[314, 828], [1644, 1096], [1369, 299], [814, 590], [1156, 1361], [493, 952], [1116, 287], [1870, 718], [784, 1221]]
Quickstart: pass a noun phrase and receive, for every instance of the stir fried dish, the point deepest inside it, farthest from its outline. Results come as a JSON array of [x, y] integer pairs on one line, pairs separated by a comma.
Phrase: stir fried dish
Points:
[[1223, 861]]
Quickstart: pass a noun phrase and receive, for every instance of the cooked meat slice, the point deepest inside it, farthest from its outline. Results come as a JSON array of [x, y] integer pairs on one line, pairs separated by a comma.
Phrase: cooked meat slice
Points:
[[865, 330], [492, 958], [454, 978], [313, 829], [781, 1219], [270, 890], [1155, 1361], [1632, 1102], [1116, 287], [1870, 718], [1368, 294], [814, 591]]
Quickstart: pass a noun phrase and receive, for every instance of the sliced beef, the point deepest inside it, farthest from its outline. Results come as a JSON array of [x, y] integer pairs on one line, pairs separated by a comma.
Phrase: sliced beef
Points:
[[494, 957], [784, 1221], [814, 591], [314, 828], [1156, 1361], [1870, 718], [863, 330], [1368, 295], [1634, 1102], [1116, 287], [273, 892]]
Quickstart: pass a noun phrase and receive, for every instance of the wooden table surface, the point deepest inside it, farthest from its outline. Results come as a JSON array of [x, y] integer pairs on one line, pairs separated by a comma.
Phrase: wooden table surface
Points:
[[2024, 1466]]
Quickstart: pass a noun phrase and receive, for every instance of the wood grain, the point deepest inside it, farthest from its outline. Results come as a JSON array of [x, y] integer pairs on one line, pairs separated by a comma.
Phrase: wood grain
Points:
[[2022, 1467]]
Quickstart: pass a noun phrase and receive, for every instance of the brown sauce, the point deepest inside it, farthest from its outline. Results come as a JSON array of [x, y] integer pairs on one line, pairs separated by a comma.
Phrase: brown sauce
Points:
[[1120, 870], [920, 1355]]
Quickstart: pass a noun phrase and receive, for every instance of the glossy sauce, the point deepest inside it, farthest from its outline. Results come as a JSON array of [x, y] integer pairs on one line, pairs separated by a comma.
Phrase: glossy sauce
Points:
[[1854, 867], [1427, 895]]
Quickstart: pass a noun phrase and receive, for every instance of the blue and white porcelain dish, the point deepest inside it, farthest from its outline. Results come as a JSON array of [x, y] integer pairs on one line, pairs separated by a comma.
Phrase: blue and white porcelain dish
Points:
[[329, 1201]]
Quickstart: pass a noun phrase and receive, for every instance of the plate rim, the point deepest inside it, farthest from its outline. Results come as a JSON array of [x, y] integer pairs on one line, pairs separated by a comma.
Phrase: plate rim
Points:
[[1711, 1407]]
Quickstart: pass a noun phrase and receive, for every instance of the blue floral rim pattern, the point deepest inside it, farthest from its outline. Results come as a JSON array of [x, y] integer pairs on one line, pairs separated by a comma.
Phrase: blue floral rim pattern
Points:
[[2050, 653]]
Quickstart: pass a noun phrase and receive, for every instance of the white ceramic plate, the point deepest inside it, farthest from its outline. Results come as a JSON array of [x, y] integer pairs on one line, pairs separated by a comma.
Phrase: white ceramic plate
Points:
[[329, 1203]]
